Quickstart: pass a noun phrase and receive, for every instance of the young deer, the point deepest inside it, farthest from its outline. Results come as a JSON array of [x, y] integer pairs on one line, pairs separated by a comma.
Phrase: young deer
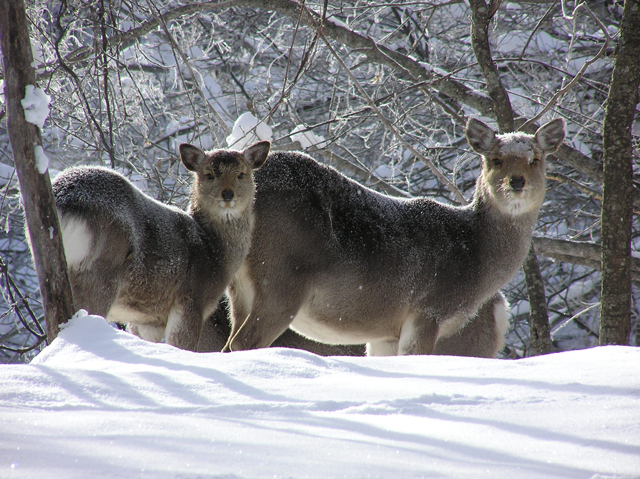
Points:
[[135, 260], [342, 264]]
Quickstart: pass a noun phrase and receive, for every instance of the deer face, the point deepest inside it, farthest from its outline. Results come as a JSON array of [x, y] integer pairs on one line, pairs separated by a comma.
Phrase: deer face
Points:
[[513, 170], [514, 173], [224, 178]]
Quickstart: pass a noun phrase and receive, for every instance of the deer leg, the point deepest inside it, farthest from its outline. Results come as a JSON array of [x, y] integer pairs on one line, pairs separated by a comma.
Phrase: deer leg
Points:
[[147, 332], [262, 326], [418, 335], [184, 325], [387, 347]]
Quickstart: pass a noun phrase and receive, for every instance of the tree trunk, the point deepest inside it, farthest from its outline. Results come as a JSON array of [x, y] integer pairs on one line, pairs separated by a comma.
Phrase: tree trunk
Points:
[[539, 331], [617, 188], [481, 13], [37, 196]]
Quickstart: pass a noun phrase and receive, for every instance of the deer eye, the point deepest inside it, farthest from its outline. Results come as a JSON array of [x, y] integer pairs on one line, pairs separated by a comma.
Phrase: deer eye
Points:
[[497, 162], [240, 176], [209, 176], [535, 161]]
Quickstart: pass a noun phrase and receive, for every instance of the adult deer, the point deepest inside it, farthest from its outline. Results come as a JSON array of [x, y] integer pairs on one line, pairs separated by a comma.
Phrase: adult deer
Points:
[[342, 264]]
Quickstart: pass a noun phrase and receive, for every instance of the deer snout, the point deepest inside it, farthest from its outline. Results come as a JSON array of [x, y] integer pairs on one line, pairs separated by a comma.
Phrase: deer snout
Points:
[[517, 183], [227, 195]]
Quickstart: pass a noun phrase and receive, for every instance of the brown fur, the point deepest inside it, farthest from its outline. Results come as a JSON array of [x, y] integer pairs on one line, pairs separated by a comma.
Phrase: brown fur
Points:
[[135, 260], [343, 264], [217, 327]]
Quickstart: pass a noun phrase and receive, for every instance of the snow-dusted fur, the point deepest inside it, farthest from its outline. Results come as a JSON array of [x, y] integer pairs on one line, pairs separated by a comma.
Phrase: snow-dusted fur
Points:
[[342, 264], [135, 260]]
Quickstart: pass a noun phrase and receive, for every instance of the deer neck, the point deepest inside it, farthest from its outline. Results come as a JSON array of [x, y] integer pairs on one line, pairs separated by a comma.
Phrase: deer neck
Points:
[[234, 230], [504, 239]]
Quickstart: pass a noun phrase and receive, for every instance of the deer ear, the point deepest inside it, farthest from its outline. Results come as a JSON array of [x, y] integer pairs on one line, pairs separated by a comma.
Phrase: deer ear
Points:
[[551, 135], [257, 153], [191, 156], [480, 137]]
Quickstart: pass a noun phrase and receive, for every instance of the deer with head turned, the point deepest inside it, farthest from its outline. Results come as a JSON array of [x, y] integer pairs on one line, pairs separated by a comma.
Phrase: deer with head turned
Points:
[[155, 267], [342, 264]]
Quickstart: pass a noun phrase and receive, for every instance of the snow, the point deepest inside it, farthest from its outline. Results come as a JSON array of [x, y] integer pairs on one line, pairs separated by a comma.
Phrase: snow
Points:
[[101, 403], [307, 138], [7, 173], [36, 105], [248, 130], [337, 22], [42, 160]]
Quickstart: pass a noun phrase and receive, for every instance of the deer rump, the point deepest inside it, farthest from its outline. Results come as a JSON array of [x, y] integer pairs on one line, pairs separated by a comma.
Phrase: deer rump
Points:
[[342, 264]]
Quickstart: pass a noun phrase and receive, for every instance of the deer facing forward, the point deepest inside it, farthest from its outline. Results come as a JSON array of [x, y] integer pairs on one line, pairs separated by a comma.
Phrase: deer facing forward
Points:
[[135, 260], [342, 264]]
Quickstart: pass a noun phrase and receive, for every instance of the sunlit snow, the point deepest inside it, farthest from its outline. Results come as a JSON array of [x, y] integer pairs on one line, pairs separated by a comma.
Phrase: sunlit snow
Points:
[[247, 129], [42, 160], [307, 138], [101, 403], [36, 105]]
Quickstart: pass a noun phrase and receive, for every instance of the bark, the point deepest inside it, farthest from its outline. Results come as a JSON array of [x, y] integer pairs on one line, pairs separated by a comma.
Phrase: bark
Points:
[[578, 252], [480, 18], [539, 331], [617, 188], [37, 197], [481, 12]]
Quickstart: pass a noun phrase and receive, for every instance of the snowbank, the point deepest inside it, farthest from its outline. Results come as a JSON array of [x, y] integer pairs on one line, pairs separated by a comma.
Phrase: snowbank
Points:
[[100, 403]]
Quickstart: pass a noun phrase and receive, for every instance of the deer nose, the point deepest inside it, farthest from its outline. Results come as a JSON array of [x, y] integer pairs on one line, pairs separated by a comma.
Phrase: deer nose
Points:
[[227, 195], [517, 183]]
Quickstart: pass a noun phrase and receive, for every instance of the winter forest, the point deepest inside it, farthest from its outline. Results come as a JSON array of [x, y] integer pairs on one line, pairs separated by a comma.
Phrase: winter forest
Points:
[[379, 90]]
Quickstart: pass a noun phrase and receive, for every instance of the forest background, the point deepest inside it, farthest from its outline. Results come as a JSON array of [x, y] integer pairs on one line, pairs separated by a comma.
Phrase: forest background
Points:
[[379, 90]]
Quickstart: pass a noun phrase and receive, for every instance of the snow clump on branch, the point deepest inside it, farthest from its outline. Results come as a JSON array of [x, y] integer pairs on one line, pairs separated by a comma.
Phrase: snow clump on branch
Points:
[[307, 138], [248, 130], [36, 105]]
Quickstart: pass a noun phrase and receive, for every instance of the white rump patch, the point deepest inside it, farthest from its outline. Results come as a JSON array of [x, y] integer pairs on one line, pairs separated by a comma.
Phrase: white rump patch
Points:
[[77, 240]]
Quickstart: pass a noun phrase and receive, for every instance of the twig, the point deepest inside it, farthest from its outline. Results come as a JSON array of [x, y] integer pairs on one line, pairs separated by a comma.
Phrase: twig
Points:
[[596, 305], [578, 75], [461, 199], [161, 21], [535, 29]]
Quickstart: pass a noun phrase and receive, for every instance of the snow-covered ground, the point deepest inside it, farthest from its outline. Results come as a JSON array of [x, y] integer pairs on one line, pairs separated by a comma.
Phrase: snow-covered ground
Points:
[[100, 403]]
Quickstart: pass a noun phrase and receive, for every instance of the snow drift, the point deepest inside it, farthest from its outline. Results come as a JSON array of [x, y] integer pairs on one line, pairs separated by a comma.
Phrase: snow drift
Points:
[[100, 403]]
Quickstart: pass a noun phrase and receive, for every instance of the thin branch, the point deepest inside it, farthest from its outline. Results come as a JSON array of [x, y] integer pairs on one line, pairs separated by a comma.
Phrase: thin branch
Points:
[[212, 111], [580, 73], [461, 199]]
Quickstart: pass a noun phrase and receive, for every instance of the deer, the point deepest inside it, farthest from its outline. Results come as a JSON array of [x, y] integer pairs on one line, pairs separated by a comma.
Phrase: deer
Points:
[[343, 264], [483, 336], [154, 267]]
